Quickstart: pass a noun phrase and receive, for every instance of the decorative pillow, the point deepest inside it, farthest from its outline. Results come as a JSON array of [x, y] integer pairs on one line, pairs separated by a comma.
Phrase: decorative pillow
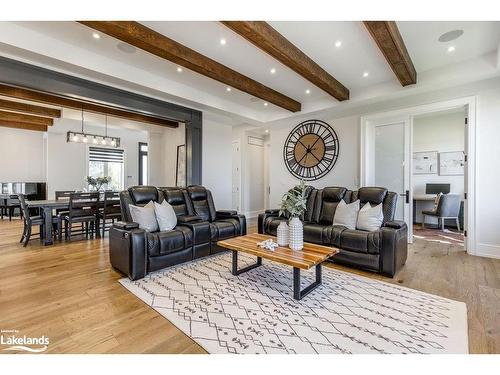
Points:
[[436, 202], [165, 215], [346, 214], [370, 218], [144, 216]]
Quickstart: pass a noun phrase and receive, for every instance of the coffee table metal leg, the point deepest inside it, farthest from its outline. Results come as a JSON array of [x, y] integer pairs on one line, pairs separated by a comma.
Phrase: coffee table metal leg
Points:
[[299, 294], [235, 271]]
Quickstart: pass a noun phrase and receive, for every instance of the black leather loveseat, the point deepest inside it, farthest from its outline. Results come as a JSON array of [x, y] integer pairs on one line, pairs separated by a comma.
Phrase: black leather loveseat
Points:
[[135, 252], [384, 250]]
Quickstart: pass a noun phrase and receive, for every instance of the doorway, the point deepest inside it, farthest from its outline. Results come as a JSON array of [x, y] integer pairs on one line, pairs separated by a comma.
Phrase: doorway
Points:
[[388, 158]]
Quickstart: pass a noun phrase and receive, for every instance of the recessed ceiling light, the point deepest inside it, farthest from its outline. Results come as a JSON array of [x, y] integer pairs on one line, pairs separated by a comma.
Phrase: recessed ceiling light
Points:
[[179, 69], [451, 48], [338, 44], [450, 35], [273, 70], [265, 104], [222, 42], [266, 131], [366, 74], [228, 89], [96, 36], [308, 91]]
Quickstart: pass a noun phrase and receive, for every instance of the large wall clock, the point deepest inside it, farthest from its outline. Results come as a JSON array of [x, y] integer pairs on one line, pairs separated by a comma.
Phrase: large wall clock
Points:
[[311, 150]]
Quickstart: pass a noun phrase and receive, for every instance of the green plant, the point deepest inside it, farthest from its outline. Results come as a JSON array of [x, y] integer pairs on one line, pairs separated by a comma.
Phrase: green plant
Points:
[[98, 182], [294, 201]]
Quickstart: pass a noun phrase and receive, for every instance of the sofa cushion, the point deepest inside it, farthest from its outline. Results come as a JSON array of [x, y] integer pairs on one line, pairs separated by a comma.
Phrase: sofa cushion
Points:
[[314, 232], [374, 195], [224, 229], [327, 202], [162, 243], [144, 194], [360, 241], [332, 234]]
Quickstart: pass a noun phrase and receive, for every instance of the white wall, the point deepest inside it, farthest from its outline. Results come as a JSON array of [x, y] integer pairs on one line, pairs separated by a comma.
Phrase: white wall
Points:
[[22, 156], [344, 173], [216, 162]]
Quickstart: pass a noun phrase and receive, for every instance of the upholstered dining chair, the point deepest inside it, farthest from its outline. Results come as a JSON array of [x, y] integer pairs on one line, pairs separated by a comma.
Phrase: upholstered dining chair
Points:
[[448, 207], [11, 204]]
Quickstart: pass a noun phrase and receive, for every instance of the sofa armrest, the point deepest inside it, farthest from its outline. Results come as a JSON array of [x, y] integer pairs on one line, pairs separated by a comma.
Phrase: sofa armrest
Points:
[[231, 214], [396, 224], [261, 221], [394, 249], [127, 251], [273, 211], [187, 219]]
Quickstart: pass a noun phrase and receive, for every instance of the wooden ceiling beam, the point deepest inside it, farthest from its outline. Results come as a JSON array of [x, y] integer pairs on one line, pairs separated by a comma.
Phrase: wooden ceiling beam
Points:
[[23, 125], [157, 44], [42, 97], [391, 44], [28, 119], [30, 109], [265, 37]]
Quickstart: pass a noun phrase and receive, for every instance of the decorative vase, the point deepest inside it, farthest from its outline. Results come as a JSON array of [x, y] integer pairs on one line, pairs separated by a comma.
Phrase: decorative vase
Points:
[[282, 235], [296, 238]]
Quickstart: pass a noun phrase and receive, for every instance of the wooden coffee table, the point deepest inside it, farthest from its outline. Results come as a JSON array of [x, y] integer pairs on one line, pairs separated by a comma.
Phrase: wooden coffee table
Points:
[[311, 255]]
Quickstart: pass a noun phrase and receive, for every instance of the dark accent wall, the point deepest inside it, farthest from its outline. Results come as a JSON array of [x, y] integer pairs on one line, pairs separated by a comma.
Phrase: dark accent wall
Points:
[[16, 73]]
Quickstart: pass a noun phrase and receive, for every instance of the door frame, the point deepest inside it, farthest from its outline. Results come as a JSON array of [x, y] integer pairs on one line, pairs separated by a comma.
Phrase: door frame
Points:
[[238, 143], [408, 114]]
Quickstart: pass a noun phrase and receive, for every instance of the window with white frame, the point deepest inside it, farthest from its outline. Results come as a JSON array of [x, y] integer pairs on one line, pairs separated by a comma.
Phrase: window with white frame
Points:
[[107, 162]]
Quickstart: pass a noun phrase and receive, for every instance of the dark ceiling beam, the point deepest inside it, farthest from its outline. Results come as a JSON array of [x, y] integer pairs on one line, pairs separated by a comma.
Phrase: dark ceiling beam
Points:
[[29, 119], [265, 37], [42, 97], [22, 125], [392, 46], [157, 44], [30, 109]]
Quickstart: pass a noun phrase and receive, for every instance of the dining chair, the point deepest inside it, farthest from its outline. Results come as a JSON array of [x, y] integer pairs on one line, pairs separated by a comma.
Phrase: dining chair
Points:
[[30, 221], [111, 209], [83, 209], [10, 205]]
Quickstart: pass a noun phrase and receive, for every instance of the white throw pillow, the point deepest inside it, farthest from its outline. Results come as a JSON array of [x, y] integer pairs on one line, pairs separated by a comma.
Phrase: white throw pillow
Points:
[[346, 214], [144, 216], [165, 215], [370, 218]]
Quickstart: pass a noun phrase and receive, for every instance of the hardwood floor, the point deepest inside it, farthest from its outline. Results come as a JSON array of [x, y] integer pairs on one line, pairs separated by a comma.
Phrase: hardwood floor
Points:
[[69, 293]]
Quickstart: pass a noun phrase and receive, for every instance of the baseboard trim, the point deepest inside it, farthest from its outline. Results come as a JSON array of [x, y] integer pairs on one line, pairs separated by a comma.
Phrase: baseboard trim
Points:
[[488, 251]]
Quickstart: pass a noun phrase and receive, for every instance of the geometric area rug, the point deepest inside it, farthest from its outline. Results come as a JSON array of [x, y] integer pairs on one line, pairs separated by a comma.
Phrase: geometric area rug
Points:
[[256, 313]]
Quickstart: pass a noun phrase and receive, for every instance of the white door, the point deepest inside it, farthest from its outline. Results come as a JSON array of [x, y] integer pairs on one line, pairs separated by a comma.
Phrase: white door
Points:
[[391, 146], [236, 171]]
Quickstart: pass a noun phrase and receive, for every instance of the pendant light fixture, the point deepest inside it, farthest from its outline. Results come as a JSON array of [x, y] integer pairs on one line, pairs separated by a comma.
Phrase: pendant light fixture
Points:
[[82, 137]]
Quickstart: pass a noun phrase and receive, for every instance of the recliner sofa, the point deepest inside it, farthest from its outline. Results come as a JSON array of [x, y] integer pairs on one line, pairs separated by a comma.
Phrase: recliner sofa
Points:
[[136, 252], [384, 251]]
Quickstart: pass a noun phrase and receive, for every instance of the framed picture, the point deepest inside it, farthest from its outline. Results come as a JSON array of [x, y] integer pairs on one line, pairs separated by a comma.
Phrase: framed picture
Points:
[[425, 162], [180, 170], [451, 163]]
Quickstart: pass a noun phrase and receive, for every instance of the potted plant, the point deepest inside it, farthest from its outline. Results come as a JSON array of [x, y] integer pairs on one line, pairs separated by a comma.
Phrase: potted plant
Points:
[[98, 182], [294, 203]]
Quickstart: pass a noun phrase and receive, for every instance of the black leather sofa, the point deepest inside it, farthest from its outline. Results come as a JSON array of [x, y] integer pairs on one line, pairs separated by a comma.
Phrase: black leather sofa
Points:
[[384, 251], [135, 252]]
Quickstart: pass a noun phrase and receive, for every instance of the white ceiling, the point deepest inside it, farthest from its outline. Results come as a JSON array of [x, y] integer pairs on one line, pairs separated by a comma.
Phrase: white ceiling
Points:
[[71, 46]]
